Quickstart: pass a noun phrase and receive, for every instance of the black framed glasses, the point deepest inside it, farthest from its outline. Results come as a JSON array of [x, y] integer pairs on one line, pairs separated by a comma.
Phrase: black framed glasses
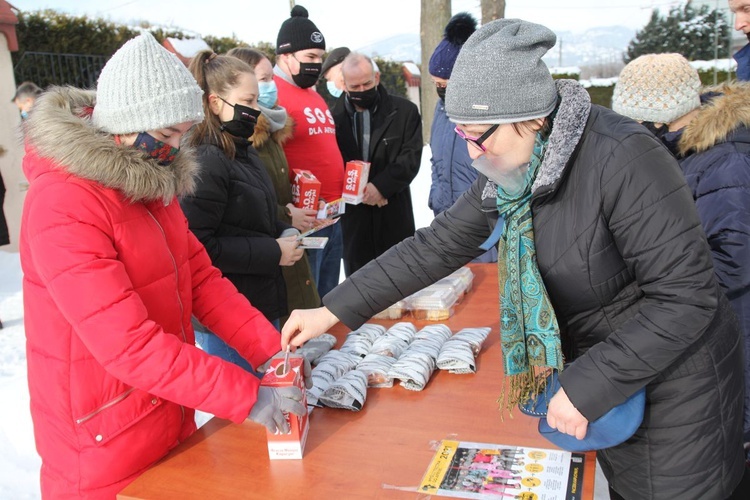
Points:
[[477, 141]]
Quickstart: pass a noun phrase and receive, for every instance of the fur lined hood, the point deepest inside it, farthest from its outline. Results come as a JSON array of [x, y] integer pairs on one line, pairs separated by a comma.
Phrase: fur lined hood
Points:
[[263, 132], [60, 129], [717, 118]]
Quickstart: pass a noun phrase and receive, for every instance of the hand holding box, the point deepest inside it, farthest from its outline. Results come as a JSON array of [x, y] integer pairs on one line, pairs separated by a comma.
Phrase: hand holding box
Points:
[[355, 180], [305, 190]]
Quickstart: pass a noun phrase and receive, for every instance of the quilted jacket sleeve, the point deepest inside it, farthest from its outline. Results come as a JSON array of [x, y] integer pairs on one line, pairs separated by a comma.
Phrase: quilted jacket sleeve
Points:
[[71, 244], [451, 241], [722, 196], [652, 218]]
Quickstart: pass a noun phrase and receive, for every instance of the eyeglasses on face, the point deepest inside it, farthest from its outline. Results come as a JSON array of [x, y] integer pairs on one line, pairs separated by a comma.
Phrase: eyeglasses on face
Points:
[[477, 141]]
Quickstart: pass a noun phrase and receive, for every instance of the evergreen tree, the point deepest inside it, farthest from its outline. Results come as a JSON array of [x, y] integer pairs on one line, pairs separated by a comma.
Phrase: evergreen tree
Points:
[[684, 30]]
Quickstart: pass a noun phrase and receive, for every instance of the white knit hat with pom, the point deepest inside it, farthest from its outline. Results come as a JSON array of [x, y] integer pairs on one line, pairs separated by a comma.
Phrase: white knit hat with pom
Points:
[[657, 88], [145, 87]]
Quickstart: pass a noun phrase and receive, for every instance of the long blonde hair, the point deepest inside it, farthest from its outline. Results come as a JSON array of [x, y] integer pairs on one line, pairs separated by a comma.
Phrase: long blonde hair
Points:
[[217, 75]]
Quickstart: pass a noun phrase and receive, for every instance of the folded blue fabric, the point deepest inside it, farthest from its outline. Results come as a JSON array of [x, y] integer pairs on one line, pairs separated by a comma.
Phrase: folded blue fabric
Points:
[[611, 429]]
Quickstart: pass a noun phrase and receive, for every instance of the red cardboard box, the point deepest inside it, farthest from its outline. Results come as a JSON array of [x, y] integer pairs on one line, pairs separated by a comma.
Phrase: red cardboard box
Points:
[[305, 190], [292, 445], [355, 180]]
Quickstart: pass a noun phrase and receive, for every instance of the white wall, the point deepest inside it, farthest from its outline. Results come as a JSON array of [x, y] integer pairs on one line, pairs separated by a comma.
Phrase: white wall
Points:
[[10, 139]]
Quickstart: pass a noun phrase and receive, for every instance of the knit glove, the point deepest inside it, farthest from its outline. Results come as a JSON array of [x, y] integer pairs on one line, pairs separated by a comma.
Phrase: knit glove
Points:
[[314, 349], [306, 371], [271, 405]]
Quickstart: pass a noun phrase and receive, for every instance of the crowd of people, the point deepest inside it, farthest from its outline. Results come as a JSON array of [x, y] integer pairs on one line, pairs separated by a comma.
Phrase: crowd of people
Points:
[[164, 198]]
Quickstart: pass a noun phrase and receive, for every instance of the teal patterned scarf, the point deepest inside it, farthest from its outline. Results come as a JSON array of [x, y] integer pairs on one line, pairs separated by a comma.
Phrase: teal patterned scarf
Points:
[[529, 332]]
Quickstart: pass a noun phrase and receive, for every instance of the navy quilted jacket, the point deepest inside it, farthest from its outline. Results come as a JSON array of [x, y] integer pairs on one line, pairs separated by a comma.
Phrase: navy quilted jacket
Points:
[[714, 153]]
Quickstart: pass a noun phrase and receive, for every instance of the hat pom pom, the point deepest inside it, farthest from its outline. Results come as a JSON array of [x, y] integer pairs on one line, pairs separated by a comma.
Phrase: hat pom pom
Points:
[[299, 11], [460, 28]]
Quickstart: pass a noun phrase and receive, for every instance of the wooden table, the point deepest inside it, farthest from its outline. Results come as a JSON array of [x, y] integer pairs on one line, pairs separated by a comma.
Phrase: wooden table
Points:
[[353, 455]]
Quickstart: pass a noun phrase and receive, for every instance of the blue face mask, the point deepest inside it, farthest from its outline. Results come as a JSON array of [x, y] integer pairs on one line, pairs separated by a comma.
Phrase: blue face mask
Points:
[[268, 94], [334, 90], [24, 115]]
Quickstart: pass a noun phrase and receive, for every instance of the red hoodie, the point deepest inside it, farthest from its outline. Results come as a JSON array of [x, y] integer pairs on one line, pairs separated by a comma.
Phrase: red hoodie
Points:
[[313, 146]]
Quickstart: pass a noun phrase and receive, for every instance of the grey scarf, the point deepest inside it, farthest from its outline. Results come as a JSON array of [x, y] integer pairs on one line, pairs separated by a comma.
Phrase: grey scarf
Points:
[[276, 117]]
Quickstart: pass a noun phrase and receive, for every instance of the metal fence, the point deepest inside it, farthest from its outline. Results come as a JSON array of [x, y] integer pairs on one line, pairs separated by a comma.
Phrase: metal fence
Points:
[[48, 68]]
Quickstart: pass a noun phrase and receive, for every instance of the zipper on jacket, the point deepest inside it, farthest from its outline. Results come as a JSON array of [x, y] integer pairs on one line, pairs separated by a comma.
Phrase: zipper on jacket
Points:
[[177, 279], [103, 407]]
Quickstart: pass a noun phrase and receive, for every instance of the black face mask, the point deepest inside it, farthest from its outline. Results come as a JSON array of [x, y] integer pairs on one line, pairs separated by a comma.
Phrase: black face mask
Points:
[[365, 99], [308, 74], [243, 123], [440, 92], [657, 131]]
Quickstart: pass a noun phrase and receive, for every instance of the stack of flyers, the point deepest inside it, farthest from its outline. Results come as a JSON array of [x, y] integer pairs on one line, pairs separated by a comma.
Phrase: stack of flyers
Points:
[[319, 224], [313, 243], [332, 209]]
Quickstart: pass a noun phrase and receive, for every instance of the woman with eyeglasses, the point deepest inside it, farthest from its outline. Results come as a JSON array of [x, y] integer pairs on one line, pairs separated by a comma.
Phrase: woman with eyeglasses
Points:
[[603, 267], [233, 209]]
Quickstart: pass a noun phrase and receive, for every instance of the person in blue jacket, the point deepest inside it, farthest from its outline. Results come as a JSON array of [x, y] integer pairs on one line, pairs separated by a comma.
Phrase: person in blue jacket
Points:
[[741, 11], [710, 136], [452, 173]]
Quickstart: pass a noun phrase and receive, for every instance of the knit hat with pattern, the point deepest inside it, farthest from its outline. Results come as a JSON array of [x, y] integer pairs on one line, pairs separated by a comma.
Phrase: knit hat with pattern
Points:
[[657, 88], [299, 33], [145, 87], [499, 75]]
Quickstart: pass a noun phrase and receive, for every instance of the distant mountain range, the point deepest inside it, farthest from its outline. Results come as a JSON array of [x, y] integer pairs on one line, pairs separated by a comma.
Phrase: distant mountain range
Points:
[[593, 46]]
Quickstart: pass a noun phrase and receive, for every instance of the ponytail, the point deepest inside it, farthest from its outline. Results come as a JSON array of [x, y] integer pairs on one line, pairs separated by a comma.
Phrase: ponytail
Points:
[[217, 75]]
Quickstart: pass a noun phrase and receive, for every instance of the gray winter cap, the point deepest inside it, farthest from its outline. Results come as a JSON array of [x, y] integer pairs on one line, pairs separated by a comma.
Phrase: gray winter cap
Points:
[[499, 76], [144, 87]]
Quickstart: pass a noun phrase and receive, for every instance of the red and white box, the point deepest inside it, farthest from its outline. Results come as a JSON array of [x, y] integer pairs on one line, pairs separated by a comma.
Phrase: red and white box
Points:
[[305, 190], [292, 445], [355, 180]]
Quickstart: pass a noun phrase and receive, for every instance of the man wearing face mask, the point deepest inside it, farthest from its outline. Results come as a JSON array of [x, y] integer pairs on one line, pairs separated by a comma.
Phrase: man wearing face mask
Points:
[[299, 48], [331, 73], [452, 173], [386, 131]]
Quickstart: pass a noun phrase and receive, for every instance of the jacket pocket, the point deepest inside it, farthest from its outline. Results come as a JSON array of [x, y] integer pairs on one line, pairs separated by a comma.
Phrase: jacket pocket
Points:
[[117, 415]]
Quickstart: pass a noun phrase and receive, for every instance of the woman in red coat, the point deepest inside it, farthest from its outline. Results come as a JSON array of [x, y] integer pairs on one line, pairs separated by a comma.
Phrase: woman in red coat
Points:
[[112, 275]]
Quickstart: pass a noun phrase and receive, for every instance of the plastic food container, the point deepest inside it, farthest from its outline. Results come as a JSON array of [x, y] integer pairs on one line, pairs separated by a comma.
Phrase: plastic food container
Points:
[[396, 311], [433, 304], [466, 276]]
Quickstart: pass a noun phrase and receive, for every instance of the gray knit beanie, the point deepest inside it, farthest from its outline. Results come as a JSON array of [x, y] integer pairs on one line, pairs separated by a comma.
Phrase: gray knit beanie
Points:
[[499, 76], [657, 88], [145, 87]]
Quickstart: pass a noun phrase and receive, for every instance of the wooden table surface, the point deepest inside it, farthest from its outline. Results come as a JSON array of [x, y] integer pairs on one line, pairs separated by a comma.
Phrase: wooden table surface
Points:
[[358, 455]]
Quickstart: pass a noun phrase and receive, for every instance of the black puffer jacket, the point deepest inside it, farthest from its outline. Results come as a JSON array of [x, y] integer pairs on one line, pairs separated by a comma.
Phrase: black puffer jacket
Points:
[[628, 269], [233, 213]]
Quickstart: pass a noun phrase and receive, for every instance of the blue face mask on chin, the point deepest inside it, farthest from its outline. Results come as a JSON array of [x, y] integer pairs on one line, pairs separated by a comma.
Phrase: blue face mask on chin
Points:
[[267, 94], [334, 90], [24, 115]]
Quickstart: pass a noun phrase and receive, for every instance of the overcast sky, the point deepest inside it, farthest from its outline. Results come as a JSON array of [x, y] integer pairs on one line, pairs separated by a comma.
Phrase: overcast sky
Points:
[[353, 23]]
